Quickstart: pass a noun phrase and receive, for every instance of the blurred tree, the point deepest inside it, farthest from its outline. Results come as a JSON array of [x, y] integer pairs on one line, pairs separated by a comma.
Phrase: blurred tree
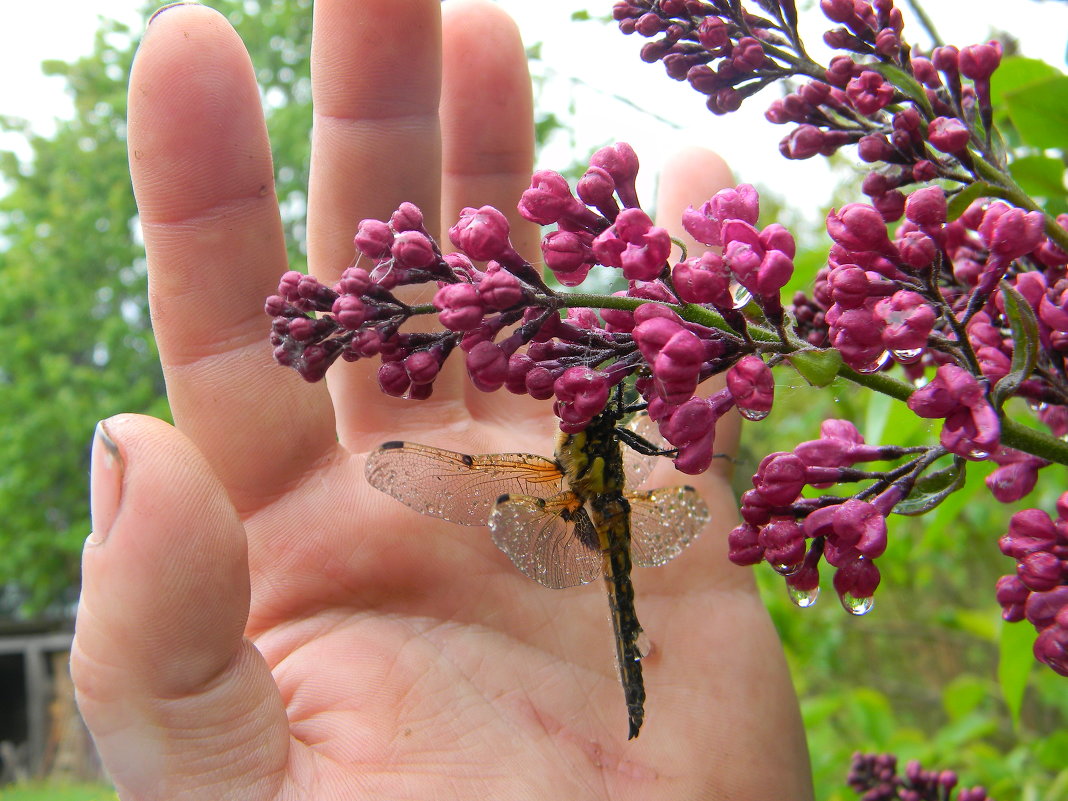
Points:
[[73, 310]]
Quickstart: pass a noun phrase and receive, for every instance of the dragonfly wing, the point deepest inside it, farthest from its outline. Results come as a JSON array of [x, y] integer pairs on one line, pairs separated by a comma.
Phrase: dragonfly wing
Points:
[[454, 486], [664, 522], [550, 540], [637, 465]]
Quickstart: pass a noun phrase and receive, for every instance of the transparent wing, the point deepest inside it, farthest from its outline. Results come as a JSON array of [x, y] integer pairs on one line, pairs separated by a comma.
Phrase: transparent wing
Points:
[[454, 486], [551, 540], [663, 522], [637, 465]]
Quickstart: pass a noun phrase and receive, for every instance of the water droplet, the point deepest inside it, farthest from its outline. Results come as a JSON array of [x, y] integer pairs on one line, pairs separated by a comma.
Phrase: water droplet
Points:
[[857, 606], [803, 598], [907, 356], [786, 570], [919, 381], [1038, 406], [644, 644], [741, 295], [756, 415], [978, 454], [878, 364]]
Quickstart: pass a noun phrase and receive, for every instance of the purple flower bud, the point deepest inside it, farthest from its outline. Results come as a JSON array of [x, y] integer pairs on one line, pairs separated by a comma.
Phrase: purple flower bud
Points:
[[948, 134], [548, 198], [945, 59], [487, 365], [1040, 571], [803, 142], [1010, 232], [739, 203], [568, 255], [621, 162], [596, 188], [634, 244], [909, 320], [691, 428], [1051, 648], [413, 250], [780, 478], [422, 367], [840, 71], [783, 541], [860, 525], [581, 394], [978, 62], [856, 579], [1012, 595], [1030, 530], [373, 239], [752, 386], [743, 545], [917, 249], [482, 234], [927, 206], [1042, 608], [869, 92], [460, 307], [859, 227], [407, 217], [349, 311], [703, 279], [499, 289], [393, 379]]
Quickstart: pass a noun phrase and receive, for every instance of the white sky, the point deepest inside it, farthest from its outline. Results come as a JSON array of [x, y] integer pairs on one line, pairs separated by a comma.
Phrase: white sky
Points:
[[603, 61]]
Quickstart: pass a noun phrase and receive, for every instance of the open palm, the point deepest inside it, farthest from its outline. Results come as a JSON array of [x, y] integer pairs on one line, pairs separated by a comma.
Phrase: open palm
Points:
[[256, 621]]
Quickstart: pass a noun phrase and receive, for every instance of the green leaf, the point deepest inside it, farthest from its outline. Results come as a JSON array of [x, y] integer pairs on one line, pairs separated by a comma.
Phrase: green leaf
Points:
[[1014, 664], [1041, 177], [905, 83], [1024, 328], [818, 367], [1016, 72], [933, 488], [1039, 112]]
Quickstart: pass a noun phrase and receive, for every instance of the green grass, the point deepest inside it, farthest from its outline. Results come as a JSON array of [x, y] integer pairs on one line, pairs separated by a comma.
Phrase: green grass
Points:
[[47, 791]]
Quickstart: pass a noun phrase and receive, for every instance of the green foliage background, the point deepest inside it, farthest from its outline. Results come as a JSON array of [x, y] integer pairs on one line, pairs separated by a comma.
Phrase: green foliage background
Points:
[[930, 674]]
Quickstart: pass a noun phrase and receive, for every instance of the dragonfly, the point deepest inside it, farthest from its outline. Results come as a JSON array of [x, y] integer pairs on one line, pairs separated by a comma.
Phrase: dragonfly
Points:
[[562, 521]]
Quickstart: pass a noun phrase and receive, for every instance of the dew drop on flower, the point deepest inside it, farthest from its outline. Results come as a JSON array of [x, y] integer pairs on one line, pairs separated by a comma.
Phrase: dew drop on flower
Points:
[[741, 296], [786, 570], [644, 645], [907, 356], [978, 454], [878, 364], [756, 415], [1038, 406], [857, 606], [803, 598]]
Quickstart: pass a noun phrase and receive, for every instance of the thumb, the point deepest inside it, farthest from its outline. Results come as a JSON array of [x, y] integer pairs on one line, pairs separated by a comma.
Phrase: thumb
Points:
[[179, 703]]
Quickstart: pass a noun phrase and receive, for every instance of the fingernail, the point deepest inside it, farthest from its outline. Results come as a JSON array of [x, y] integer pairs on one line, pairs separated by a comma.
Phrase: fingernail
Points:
[[105, 483], [167, 7]]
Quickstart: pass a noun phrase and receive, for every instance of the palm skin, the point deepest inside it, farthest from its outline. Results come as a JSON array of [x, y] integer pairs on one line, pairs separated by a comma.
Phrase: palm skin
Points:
[[256, 621]]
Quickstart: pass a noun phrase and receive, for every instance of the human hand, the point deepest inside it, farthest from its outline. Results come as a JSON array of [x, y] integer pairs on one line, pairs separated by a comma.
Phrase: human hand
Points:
[[256, 622]]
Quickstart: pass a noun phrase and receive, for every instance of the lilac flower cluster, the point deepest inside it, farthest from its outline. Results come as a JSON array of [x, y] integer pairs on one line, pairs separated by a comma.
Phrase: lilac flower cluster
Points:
[[967, 300], [1038, 590], [874, 777]]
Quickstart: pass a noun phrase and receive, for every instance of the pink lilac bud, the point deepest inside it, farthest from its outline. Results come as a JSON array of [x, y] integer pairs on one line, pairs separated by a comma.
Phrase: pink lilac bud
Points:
[[840, 71], [1012, 595], [568, 255], [581, 394], [499, 289], [422, 367], [373, 239], [917, 249], [1030, 530], [1015, 480], [780, 478], [482, 234], [857, 333], [349, 311], [413, 249], [691, 428], [703, 279], [621, 162], [971, 428], [1051, 647], [548, 199], [393, 379], [743, 545], [978, 62], [353, 281], [851, 287], [1040, 571], [783, 541], [869, 92], [927, 206], [859, 227], [752, 386], [909, 320], [803, 142], [856, 579], [460, 307], [407, 217], [596, 188], [487, 365], [948, 134], [738, 203], [634, 244], [775, 271], [1043, 608], [860, 525], [1009, 232], [993, 363]]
